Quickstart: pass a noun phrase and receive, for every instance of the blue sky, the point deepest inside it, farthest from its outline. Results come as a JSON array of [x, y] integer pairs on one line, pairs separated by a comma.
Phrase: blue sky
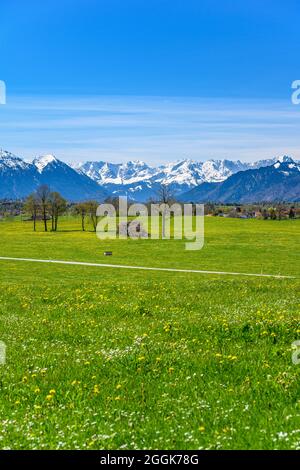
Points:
[[152, 80]]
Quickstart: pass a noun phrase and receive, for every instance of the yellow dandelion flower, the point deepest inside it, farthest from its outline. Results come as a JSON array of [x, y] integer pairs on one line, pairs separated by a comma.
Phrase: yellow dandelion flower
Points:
[[226, 429]]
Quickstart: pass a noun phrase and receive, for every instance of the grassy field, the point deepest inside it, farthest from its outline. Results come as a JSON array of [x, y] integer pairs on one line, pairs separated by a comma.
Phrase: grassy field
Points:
[[100, 358]]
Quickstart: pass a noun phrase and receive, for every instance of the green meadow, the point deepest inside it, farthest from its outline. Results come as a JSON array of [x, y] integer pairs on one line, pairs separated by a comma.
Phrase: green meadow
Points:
[[105, 358]]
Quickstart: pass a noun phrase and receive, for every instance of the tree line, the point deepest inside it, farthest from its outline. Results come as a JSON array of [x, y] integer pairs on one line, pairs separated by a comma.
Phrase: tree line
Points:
[[45, 205], [48, 206]]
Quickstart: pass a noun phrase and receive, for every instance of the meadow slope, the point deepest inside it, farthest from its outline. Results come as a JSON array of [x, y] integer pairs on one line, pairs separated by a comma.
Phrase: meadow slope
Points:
[[106, 359]]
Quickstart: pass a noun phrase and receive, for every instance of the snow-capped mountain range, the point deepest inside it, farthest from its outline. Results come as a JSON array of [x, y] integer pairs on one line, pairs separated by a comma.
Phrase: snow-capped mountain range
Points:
[[98, 180], [141, 182], [272, 183], [19, 178]]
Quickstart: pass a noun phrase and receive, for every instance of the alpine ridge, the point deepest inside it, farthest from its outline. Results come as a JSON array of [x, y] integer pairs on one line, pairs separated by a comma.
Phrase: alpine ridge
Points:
[[141, 182], [19, 178], [186, 179], [274, 183]]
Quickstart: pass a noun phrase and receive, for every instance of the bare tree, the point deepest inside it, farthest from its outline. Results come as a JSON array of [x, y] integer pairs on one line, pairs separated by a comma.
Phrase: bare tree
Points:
[[165, 197], [57, 206], [32, 207], [91, 207], [81, 209], [43, 193], [165, 194]]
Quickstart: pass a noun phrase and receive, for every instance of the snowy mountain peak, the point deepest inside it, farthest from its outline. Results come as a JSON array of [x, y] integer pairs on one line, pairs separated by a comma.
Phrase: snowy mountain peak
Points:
[[135, 164], [5, 154], [9, 160], [285, 159], [287, 166], [44, 160]]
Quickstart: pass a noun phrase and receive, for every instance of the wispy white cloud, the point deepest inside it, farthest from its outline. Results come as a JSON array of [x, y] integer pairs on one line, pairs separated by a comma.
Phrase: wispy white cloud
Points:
[[154, 129]]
